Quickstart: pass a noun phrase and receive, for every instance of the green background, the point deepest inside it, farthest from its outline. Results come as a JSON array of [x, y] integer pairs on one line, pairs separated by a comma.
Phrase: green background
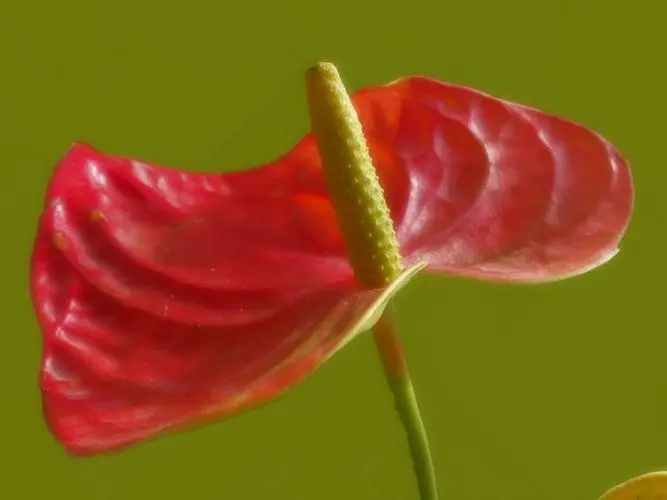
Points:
[[553, 392]]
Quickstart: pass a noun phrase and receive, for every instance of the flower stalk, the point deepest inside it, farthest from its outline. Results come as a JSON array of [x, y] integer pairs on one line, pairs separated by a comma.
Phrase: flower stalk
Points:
[[389, 346], [370, 240]]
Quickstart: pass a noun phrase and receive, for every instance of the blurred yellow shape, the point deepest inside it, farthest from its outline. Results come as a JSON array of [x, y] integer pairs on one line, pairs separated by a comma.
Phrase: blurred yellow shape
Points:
[[651, 486]]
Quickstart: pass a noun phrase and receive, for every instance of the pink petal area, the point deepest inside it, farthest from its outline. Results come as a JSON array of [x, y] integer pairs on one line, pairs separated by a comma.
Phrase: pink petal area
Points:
[[245, 230], [167, 298], [498, 191], [114, 374]]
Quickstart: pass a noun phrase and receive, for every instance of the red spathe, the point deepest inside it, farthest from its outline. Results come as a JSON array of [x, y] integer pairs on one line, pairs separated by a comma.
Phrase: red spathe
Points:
[[168, 297]]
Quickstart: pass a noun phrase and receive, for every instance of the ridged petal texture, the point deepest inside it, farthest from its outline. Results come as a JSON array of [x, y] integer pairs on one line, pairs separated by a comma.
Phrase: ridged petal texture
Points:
[[167, 297]]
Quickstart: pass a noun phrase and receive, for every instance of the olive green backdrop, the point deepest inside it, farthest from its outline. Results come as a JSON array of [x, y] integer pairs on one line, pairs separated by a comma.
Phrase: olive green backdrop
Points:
[[552, 392]]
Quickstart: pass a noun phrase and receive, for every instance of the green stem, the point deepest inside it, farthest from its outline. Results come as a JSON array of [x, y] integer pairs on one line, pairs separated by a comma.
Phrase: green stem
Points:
[[395, 367]]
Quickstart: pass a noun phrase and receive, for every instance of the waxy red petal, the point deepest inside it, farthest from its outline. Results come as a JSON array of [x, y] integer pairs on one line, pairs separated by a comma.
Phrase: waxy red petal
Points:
[[167, 297], [116, 372], [498, 191], [245, 230]]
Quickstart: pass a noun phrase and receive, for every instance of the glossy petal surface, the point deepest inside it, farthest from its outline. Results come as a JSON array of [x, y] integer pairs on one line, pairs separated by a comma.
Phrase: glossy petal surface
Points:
[[496, 190], [125, 358], [168, 297]]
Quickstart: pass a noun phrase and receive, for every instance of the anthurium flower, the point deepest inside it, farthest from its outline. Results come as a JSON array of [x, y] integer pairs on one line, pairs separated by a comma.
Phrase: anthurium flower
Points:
[[167, 297]]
